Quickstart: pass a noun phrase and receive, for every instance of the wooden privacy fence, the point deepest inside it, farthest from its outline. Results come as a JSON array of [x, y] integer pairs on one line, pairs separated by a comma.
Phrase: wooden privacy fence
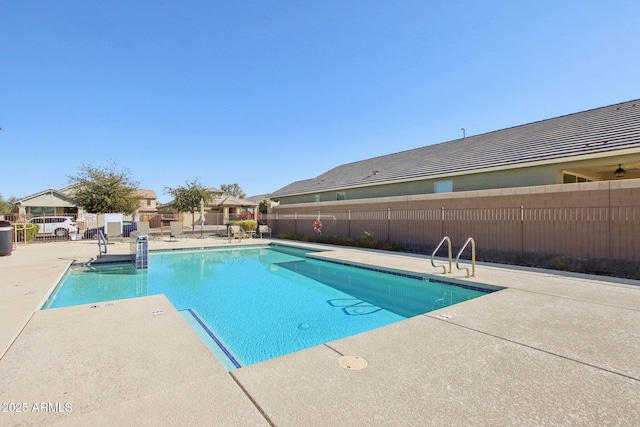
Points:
[[583, 232]]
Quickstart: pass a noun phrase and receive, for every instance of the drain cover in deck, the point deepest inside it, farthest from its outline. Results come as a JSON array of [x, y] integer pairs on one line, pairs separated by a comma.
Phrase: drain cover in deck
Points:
[[353, 363]]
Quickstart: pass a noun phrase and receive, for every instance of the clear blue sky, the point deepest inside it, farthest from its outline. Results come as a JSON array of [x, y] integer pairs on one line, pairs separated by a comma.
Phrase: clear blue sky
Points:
[[264, 93]]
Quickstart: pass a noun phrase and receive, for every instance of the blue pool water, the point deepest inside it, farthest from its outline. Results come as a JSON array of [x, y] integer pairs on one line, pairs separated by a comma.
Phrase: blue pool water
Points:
[[258, 303]]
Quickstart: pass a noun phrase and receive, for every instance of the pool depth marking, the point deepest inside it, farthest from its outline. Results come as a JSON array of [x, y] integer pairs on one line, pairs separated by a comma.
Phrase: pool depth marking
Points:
[[214, 338]]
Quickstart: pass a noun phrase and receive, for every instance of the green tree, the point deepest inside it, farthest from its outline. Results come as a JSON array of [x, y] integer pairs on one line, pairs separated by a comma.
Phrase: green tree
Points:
[[263, 207], [233, 190], [187, 198], [7, 206], [104, 189]]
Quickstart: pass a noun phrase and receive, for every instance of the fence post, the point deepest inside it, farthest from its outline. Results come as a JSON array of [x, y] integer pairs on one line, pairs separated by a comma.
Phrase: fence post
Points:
[[277, 224], [349, 224], [521, 230], [609, 227], [388, 224], [295, 223]]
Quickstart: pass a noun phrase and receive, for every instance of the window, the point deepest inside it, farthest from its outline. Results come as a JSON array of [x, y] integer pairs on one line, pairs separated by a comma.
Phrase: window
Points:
[[148, 202], [341, 196], [569, 178], [316, 197], [39, 211], [443, 187]]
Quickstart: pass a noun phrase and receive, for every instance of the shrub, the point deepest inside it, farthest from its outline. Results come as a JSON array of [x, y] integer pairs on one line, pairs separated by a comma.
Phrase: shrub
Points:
[[232, 222], [246, 224], [249, 225]]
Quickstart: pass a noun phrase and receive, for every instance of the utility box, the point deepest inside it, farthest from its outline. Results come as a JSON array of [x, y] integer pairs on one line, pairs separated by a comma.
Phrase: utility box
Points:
[[6, 238]]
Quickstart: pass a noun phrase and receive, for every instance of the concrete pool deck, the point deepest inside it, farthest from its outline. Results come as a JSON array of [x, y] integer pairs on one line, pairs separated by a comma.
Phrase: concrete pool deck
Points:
[[551, 349]]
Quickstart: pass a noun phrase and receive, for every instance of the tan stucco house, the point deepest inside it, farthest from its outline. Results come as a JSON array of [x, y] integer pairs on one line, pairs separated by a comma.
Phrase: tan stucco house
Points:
[[220, 209], [148, 204], [48, 202], [60, 202]]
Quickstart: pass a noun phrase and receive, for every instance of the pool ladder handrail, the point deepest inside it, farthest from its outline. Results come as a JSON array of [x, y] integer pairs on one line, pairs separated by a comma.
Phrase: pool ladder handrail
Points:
[[444, 268], [443, 300], [473, 257], [101, 239]]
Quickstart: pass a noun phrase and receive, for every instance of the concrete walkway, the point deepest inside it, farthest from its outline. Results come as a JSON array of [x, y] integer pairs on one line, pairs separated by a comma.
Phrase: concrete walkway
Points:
[[551, 349]]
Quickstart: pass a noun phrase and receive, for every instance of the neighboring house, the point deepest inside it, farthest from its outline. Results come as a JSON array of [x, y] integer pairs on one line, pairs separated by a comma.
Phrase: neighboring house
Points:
[[594, 145], [232, 207], [48, 202], [220, 209], [261, 198], [229, 207], [148, 204], [60, 202]]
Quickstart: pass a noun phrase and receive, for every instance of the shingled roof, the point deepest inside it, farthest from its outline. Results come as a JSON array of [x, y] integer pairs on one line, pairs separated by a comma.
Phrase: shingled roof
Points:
[[146, 194], [598, 130]]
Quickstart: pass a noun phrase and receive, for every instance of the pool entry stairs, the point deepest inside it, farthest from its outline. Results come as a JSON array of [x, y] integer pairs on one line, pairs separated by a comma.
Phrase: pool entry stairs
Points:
[[138, 249]]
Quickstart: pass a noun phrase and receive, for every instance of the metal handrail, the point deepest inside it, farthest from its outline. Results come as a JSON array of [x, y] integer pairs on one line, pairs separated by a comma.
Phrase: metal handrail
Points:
[[444, 268], [473, 257], [102, 239], [20, 228]]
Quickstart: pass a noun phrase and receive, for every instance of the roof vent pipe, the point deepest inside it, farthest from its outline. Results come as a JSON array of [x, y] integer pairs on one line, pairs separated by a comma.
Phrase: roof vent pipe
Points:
[[464, 134]]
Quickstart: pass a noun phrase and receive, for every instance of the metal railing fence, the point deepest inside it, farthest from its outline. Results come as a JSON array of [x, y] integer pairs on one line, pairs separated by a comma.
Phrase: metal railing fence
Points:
[[87, 224]]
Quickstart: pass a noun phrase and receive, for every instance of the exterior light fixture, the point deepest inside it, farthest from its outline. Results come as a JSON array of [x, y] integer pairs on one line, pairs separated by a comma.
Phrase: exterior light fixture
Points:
[[620, 172]]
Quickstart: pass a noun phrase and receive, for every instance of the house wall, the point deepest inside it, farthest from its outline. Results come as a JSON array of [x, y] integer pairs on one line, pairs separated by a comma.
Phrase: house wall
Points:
[[589, 220], [47, 204], [148, 204], [498, 179], [49, 200], [147, 210], [594, 169]]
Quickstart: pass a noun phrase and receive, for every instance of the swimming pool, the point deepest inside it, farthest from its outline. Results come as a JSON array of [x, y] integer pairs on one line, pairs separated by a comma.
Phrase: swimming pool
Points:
[[255, 303]]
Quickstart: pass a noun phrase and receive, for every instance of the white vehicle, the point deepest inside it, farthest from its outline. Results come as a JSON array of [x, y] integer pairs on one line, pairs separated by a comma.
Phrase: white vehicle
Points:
[[60, 226]]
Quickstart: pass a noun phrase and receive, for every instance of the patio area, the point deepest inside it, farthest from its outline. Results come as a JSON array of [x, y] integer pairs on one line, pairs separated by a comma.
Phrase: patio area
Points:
[[550, 349]]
